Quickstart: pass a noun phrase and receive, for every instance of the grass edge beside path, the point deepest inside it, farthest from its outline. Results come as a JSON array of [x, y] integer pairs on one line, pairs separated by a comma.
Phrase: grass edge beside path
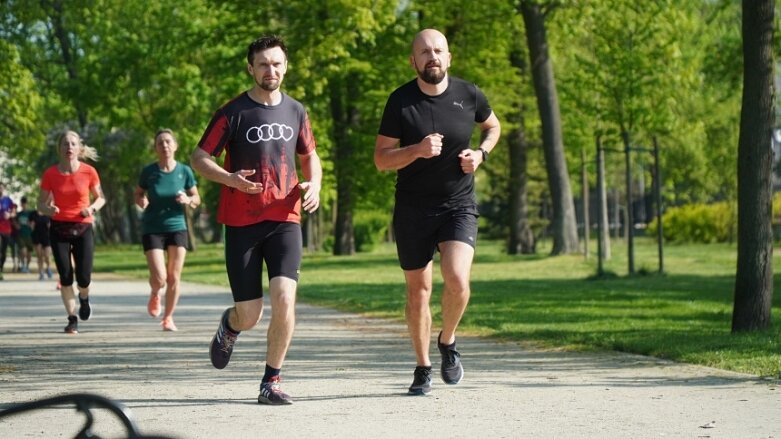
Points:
[[543, 302]]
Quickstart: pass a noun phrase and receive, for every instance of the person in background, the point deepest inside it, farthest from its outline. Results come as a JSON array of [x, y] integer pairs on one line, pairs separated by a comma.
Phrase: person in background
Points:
[[71, 195], [425, 135], [7, 212], [25, 236], [262, 131], [164, 189], [43, 248]]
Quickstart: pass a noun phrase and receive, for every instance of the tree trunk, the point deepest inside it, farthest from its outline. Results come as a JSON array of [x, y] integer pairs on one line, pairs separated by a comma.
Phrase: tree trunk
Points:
[[521, 235], [754, 278], [604, 220], [563, 224], [68, 58], [344, 115]]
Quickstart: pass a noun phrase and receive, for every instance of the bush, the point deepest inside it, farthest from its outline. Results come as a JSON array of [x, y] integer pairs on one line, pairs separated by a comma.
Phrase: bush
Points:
[[699, 223], [370, 228]]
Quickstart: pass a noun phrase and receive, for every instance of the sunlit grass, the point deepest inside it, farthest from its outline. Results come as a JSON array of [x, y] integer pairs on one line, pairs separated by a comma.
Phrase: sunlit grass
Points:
[[546, 302]]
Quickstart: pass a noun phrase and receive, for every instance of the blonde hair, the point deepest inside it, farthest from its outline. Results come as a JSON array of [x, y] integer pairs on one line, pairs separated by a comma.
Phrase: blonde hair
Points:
[[85, 152]]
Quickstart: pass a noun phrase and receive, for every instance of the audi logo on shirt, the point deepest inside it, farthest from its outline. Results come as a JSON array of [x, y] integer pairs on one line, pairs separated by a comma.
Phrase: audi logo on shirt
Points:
[[269, 131]]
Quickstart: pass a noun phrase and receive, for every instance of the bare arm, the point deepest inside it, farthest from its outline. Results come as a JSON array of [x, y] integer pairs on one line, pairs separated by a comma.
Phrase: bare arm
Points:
[[46, 203], [139, 195], [313, 173], [389, 157], [191, 198], [471, 159], [98, 201], [492, 130], [204, 164]]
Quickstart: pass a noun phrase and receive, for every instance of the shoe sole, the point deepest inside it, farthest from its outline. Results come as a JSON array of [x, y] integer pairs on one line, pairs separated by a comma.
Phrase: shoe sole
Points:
[[264, 401], [418, 392]]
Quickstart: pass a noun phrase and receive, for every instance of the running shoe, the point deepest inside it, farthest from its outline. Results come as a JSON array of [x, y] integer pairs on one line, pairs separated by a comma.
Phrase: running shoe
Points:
[[73, 325], [451, 368], [49, 273], [270, 393], [221, 347], [168, 324], [421, 384], [85, 310], [153, 306], [40, 276]]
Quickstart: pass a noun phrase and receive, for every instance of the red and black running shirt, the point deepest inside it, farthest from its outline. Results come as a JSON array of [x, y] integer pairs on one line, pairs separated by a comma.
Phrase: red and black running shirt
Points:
[[266, 139]]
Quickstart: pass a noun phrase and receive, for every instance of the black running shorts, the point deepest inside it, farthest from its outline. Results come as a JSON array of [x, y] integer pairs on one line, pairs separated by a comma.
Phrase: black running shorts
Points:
[[419, 232], [278, 244], [161, 241]]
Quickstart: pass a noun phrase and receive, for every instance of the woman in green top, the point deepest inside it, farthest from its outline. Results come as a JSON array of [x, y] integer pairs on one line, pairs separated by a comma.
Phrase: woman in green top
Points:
[[164, 189]]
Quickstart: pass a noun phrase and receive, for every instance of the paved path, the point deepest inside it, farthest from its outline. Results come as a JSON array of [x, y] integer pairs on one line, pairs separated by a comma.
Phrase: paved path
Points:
[[348, 376]]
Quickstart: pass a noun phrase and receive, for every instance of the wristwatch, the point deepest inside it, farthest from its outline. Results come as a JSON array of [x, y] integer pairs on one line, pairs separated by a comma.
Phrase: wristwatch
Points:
[[485, 154]]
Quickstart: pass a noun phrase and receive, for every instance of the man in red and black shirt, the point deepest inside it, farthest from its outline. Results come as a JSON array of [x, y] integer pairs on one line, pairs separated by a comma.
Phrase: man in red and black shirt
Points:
[[261, 131]]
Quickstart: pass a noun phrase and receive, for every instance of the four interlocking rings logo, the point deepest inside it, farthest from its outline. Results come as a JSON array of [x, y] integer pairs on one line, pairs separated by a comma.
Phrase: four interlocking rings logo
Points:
[[272, 131]]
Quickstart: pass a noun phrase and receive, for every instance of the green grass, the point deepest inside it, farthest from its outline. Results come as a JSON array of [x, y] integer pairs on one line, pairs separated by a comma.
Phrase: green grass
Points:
[[546, 302]]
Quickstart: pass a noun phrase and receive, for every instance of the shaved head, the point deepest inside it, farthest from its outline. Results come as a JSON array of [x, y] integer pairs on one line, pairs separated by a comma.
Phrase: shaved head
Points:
[[429, 36], [430, 56]]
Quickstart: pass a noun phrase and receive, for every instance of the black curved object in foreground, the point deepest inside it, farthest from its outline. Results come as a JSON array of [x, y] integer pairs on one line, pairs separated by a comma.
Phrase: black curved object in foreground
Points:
[[84, 402]]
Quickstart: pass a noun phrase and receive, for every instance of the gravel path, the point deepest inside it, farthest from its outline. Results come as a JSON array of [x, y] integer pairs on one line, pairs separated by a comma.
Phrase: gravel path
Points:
[[348, 375]]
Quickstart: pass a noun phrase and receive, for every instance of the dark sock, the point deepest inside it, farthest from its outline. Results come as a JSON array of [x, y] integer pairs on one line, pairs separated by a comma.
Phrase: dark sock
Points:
[[73, 319], [446, 346], [228, 326], [270, 372]]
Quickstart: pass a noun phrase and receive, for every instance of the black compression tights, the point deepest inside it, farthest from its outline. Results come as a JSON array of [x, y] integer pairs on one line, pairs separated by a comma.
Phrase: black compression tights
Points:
[[82, 248]]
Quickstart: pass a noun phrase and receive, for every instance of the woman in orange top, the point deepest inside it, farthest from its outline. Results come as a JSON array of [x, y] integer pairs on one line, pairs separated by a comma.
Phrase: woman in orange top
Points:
[[65, 196]]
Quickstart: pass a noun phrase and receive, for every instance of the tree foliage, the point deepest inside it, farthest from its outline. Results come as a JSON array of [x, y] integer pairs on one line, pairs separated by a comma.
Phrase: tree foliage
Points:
[[118, 70]]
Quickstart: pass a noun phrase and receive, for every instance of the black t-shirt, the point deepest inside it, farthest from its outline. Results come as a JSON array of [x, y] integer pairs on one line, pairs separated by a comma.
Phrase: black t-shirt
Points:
[[410, 115], [41, 229]]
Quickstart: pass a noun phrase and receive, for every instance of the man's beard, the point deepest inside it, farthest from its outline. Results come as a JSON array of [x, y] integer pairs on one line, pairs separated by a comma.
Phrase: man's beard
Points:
[[431, 76], [268, 86]]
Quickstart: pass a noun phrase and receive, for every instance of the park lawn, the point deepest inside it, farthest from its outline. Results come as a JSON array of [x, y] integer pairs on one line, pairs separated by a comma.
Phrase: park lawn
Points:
[[545, 302]]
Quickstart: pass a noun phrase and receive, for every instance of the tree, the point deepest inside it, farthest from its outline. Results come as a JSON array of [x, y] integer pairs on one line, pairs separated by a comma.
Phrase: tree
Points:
[[754, 278], [21, 136], [563, 224]]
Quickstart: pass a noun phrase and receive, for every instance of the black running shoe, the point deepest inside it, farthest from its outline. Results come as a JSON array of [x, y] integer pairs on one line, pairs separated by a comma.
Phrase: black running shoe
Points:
[[451, 369], [85, 310], [421, 384], [73, 325], [272, 394], [221, 347]]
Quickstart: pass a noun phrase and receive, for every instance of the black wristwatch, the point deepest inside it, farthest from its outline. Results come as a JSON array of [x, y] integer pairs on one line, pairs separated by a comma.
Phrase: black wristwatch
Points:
[[485, 154]]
